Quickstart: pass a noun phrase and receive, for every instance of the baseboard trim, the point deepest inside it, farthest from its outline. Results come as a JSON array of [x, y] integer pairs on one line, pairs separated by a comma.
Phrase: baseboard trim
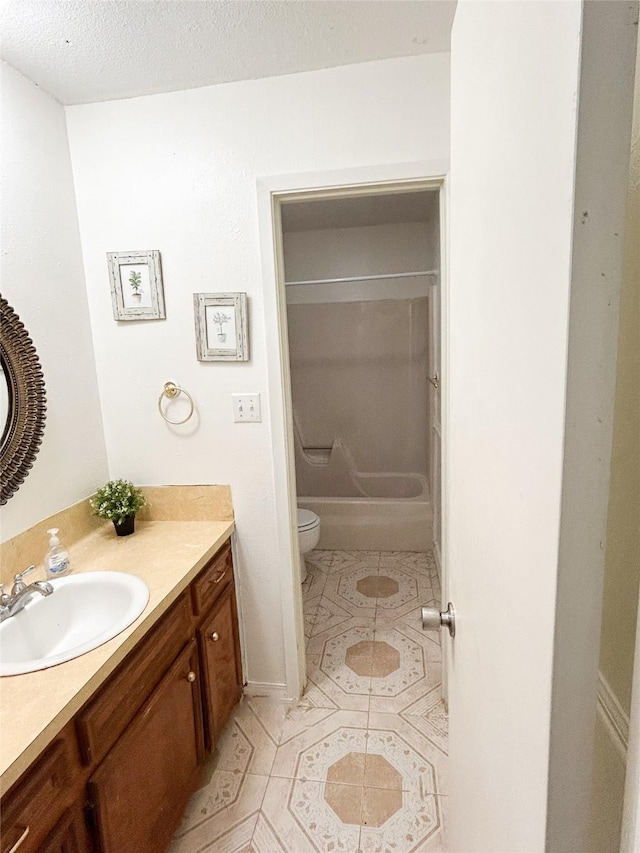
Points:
[[273, 690], [613, 716]]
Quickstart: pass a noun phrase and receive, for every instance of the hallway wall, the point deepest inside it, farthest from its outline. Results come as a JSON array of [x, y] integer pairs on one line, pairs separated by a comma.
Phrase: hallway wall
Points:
[[622, 565], [623, 531], [547, 143]]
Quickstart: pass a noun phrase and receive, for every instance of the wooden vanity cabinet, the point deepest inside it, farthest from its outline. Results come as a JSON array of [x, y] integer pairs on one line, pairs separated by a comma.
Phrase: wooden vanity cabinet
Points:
[[34, 808], [70, 835], [105, 717], [140, 790], [215, 611], [118, 777]]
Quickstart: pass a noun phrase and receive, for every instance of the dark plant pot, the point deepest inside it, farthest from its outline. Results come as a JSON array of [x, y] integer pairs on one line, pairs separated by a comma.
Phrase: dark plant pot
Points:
[[126, 526]]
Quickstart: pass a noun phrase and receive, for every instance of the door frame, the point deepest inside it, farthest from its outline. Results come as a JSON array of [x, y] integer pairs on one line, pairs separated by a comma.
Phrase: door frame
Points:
[[272, 192]]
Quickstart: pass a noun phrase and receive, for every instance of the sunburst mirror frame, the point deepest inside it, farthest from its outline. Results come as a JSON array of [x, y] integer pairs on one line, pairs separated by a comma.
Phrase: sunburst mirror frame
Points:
[[22, 432]]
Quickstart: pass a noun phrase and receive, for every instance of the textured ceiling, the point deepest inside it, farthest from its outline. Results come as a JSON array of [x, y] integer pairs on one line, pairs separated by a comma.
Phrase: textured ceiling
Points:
[[359, 211], [81, 51]]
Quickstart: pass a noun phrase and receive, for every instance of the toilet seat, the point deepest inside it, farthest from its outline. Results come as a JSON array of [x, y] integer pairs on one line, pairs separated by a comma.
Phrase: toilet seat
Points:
[[307, 520]]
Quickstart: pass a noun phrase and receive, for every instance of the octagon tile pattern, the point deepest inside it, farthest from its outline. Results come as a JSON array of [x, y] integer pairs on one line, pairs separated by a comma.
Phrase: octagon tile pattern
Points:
[[379, 806], [359, 764], [381, 586], [400, 589], [348, 770], [374, 658], [410, 668], [380, 774]]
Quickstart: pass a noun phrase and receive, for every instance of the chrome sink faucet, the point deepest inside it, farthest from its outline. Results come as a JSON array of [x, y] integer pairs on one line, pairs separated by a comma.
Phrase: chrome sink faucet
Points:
[[21, 594]]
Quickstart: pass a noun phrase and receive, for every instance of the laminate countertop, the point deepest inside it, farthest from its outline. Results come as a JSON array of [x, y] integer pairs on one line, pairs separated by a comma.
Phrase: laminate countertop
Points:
[[167, 555]]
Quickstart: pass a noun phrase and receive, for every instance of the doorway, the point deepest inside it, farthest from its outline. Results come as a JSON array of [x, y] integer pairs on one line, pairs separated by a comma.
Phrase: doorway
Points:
[[366, 657], [309, 290]]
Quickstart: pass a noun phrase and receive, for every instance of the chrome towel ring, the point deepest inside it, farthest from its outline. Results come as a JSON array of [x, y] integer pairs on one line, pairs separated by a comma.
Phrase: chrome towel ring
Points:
[[171, 390]]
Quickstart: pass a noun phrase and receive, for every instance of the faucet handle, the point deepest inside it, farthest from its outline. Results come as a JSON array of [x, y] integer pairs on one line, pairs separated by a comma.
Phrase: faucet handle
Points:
[[24, 572], [18, 583]]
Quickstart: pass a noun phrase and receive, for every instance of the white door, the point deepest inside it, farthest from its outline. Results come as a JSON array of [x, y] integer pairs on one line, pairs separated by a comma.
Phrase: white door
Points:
[[512, 272]]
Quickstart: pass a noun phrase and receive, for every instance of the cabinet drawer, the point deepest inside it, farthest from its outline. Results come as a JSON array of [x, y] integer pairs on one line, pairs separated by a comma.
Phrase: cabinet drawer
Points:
[[212, 580], [104, 719], [30, 810]]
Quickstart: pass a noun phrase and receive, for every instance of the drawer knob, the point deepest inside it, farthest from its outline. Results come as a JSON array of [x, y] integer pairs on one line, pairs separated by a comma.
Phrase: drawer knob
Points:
[[215, 636], [191, 676]]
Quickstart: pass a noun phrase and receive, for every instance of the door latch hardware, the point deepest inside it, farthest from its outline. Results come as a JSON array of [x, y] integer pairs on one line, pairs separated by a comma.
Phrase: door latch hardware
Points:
[[433, 619]]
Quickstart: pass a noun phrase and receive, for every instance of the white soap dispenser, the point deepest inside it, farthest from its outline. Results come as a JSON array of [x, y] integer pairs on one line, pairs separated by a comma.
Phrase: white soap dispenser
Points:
[[56, 561]]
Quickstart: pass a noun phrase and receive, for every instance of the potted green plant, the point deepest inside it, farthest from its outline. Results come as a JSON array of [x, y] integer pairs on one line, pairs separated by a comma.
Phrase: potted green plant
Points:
[[135, 280], [118, 501]]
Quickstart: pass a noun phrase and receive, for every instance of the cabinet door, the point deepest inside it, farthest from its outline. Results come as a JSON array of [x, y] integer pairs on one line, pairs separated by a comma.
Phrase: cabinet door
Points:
[[218, 639], [33, 807], [106, 716], [140, 790]]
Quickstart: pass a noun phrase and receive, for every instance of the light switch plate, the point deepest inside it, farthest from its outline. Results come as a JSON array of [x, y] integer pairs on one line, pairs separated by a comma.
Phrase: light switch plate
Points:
[[246, 408]]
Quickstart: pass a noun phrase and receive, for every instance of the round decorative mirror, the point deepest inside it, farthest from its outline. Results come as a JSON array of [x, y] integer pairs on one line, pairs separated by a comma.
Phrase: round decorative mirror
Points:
[[22, 402]]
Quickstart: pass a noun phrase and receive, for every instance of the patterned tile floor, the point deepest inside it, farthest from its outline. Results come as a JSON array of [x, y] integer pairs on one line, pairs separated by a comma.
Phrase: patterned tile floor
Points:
[[359, 765]]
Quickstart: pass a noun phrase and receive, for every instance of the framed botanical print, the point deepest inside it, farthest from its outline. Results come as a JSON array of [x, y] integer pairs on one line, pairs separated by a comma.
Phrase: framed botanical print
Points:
[[221, 326], [136, 285]]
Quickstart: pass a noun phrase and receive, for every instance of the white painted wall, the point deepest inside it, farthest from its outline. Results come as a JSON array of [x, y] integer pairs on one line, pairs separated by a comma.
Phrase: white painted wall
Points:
[[178, 173], [625, 489], [607, 790], [605, 107], [43, 280], [620, 598]]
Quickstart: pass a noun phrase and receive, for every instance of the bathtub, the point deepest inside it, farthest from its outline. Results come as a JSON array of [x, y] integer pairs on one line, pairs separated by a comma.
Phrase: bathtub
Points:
[[394, 516]]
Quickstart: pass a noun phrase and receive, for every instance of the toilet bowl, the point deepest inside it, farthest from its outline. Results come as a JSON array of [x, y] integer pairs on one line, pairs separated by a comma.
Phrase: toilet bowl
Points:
[[308, 536]]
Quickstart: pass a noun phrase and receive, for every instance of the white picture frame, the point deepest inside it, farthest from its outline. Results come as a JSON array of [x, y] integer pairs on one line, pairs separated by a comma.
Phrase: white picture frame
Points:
[[221, 326], [136, 285]]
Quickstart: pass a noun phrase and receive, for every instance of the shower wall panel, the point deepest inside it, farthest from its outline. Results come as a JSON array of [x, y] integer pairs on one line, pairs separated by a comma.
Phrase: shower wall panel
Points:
[[358, 373]]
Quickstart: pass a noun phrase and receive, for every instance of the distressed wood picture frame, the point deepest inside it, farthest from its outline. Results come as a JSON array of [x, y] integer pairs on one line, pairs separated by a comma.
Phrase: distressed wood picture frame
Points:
[[221, 326], [136, 285]]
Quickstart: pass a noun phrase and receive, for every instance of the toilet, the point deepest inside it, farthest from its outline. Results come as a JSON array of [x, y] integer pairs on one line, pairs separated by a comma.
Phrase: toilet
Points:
[[308, 536]]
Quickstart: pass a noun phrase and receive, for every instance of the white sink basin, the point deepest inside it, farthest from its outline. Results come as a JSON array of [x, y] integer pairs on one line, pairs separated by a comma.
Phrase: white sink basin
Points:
[[84, 611]]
